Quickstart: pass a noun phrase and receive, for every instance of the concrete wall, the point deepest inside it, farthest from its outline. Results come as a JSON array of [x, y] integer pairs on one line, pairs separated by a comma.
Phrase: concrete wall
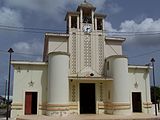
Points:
[[57, 44], [118, 69], [112, 48], [58, 84], [24, 74], [140, 82]]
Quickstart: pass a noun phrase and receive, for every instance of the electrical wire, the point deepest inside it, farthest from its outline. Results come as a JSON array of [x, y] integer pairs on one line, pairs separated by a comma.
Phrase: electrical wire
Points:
[[28, 54], [145, 54], [27, 28], [131, 57], [43, 30]]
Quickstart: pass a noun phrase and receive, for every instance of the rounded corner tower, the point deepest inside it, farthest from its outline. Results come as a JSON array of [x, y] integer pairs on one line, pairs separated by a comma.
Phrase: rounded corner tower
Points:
[[118, 70], [58, 84]]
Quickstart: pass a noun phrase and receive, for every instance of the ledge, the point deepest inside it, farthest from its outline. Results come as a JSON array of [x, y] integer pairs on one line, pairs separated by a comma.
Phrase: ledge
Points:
[[28, 63]]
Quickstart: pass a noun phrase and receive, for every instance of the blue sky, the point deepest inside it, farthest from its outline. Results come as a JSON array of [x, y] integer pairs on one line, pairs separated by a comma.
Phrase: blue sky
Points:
[[137, 20]]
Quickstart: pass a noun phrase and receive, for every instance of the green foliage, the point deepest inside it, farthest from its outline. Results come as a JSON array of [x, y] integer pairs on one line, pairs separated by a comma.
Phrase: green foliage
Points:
[[2, 106], [157, 90]]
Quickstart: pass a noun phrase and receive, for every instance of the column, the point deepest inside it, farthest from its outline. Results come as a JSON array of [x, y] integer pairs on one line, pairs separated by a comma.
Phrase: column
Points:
[[58, 84]]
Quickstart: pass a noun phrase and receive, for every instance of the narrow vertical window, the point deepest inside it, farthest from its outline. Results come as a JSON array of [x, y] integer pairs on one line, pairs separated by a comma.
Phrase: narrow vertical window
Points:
[[73, 21], [99, 24], [87, 16], [109, 95], [108, 65]]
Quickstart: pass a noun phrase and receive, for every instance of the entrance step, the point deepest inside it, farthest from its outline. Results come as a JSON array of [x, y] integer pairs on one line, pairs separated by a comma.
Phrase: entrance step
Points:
[[91, 117]]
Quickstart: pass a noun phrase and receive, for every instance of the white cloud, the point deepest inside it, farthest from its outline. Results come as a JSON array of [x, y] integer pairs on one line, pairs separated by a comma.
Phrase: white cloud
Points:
[[51, 7], [146, 25], [22, 47], [10, 17], [109, 27], [33, 48], [44, 6], [143, 33]]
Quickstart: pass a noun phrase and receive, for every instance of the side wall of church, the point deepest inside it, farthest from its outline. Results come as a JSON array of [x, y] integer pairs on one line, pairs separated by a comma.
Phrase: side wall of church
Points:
[[140, 83], [29, 78]]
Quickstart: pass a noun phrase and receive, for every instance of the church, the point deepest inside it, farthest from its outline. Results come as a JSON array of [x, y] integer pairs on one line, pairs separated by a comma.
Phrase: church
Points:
[[83, 72]]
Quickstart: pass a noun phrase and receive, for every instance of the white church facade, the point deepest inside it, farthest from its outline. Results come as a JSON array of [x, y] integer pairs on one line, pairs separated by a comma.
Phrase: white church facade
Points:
[[83, 72]]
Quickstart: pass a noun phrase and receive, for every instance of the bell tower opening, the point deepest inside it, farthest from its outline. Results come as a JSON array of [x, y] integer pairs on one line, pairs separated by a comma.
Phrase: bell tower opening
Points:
[[73, 21], [99, 23], [87, 15]]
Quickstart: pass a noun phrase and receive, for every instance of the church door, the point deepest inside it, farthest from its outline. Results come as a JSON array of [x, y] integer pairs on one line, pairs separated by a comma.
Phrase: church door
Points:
[[30, 103], [136, 102], [87, 98]]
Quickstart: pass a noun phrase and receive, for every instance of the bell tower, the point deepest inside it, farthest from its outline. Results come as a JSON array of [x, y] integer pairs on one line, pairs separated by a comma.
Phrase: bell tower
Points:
[[85, 19], [86, 30], [86, 11]]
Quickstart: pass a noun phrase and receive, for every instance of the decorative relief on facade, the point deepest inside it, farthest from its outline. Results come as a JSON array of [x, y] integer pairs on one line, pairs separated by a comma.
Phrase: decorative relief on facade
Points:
[[31, 83], [87, 51], [100, 53], [73, 55]]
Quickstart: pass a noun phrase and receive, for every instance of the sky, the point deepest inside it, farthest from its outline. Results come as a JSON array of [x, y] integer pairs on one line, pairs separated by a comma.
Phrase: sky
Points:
[[23, 24]]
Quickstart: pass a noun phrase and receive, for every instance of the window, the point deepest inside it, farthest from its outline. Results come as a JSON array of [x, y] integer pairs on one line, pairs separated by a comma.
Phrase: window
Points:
[[99, 24], [73, 21], [109, 94], [107, 65], [87, 16]]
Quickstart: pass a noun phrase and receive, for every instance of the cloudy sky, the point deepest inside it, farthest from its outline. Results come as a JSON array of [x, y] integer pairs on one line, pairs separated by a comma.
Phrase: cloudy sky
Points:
[[24, 22]]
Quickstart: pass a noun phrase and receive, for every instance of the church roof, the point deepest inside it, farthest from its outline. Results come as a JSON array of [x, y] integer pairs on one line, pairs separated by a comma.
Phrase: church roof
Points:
[[71, 13], [100, 15], [120, 39], [86, 4]]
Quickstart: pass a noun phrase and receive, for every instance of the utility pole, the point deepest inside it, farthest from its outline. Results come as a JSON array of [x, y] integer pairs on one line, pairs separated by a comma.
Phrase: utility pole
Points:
[[5, 90], [9, 74], [154, 84]]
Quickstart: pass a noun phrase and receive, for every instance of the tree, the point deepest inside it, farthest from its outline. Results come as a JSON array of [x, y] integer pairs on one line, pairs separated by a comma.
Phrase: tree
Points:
[[157, 89]]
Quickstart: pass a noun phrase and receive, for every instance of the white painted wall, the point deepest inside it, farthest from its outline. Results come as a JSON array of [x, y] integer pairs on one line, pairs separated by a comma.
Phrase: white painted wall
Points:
[[121, 84], [140, 76], [57, 44], [58, 84], [112, 48], [23, 75], [118, 70]]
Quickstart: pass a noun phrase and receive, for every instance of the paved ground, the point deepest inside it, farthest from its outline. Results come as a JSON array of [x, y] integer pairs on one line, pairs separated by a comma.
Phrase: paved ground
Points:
[[91, 117], [135, 116]]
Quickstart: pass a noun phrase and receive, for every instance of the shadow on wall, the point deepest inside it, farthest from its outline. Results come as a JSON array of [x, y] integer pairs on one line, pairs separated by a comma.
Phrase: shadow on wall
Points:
[[44, 84]]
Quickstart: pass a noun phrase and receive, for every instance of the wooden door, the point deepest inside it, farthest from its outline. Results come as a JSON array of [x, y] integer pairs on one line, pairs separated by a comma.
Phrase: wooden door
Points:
[[136, 102], [28, 103]]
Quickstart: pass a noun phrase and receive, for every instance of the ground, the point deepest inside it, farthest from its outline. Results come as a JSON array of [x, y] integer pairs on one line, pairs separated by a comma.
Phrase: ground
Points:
[[135, 116]]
